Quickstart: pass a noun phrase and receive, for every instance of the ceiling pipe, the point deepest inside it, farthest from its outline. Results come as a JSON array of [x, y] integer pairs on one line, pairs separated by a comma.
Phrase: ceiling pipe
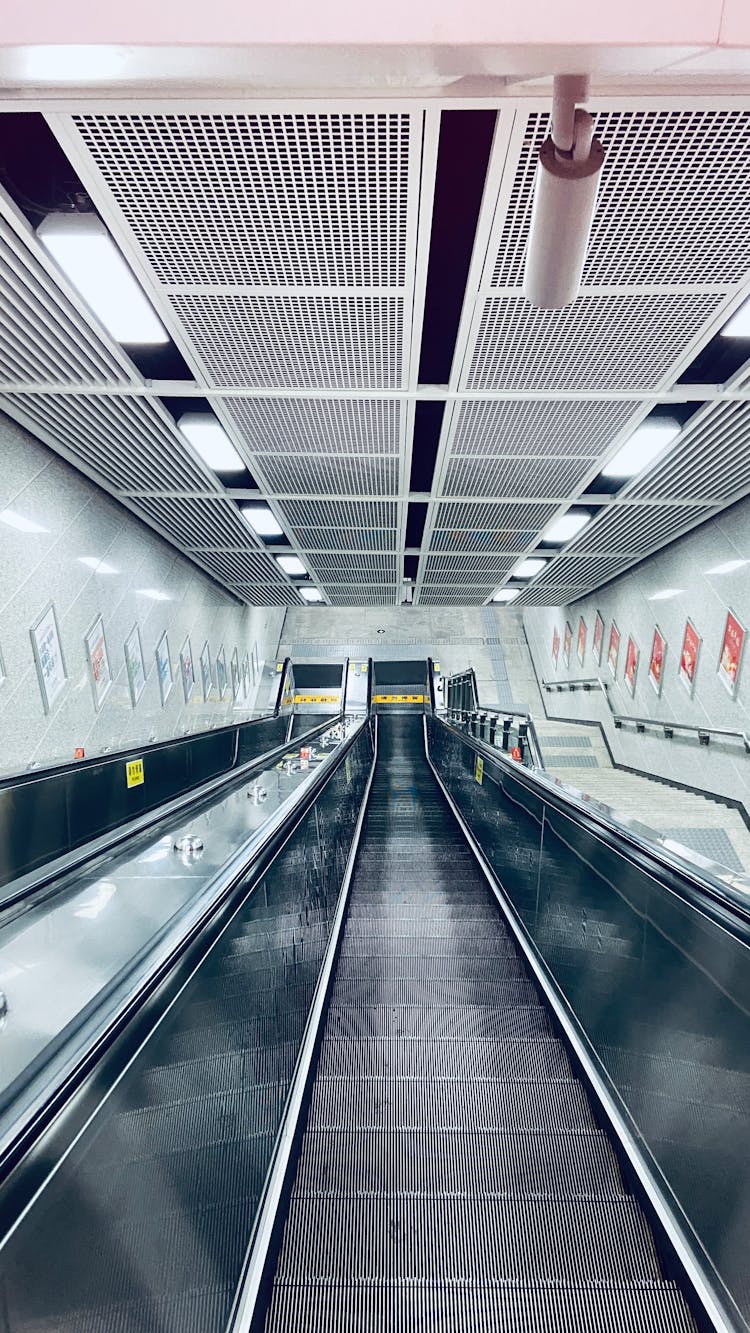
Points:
[[565, 190]]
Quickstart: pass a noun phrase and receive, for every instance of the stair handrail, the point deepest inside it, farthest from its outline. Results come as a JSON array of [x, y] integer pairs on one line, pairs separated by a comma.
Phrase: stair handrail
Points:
[[642, 724]]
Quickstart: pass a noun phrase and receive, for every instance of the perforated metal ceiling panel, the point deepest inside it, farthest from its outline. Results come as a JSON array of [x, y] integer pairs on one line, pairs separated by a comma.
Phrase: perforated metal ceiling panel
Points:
[[285, 247]]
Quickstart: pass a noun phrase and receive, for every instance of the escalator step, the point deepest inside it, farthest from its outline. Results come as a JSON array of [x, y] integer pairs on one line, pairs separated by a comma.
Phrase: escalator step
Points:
[[449, 1104], [543, 1058], [402, 991], [357, 952], [389, 927], [427, 1022], [224, 1117], [213, 1073]]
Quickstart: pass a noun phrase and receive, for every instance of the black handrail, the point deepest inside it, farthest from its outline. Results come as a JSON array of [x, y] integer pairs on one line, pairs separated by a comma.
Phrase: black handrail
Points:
[[526, 730], [642, 724]]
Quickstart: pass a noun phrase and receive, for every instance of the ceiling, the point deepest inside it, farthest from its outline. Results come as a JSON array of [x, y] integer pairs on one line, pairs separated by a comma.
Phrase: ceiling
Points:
[[301, 259]]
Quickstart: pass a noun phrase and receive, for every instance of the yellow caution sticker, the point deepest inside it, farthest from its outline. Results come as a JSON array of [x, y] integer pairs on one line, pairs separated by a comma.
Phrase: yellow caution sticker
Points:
[[399, 698], [316, 698], [279, 666], [479, 769], [134, 773], [436, 668]]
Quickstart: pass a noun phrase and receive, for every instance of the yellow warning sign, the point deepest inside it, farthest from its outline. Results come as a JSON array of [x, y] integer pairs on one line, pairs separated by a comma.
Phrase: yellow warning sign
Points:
[[398, 698], [479, 769], [316, 698], [134, 773], [436, 668], [279, 666]]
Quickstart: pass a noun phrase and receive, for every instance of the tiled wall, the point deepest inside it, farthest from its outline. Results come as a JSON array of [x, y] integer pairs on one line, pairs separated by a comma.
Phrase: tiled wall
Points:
[[688, 571], [65, 519]]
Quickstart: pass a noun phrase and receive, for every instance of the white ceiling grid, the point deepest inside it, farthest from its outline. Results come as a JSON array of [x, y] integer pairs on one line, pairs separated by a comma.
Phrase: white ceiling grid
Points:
[[285, 247]]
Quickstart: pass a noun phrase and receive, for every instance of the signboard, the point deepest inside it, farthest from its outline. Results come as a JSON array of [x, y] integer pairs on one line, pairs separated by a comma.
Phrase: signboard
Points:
[[134, 774], [555, 646], [134, 664], [48, 655], [730, 659], [398, 698], [613, 652], [598, 639], [326, 698], [99, 669], [689, 654], [479, 769], [164, 668], [656, 660], [567, 640], [581, 648], [631, 664]]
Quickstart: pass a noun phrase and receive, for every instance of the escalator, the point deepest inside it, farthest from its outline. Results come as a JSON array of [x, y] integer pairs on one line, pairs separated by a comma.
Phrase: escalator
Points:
[[448, 1170]]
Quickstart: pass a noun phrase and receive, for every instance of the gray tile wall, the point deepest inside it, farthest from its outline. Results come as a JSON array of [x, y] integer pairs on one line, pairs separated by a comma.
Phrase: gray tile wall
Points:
[[77, 520], [686, 567]]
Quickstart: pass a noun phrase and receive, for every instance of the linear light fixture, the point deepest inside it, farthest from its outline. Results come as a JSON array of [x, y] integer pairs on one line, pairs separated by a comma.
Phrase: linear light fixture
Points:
[[528, 568], [291, 564], [87, 255], [210, 440], [506, 594], [262, 520], [739, 325], [644, 445], [311, 594], [567, 526]]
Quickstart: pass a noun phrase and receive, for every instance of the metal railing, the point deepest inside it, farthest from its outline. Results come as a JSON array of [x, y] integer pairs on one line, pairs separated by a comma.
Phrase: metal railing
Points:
[[643, 724], [507, 729]]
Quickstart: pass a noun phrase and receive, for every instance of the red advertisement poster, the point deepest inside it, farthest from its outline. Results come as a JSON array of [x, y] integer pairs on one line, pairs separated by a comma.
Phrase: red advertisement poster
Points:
[[581, 640], [656, 660], [567, 640], [613, 651], [555, 646], [598, 639], [689, 653], [731, 653], [631, 665]]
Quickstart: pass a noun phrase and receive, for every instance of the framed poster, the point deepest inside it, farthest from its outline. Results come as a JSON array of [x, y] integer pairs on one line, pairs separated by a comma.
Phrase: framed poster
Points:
[[656, 660], [613, 652], [206, 677], [255, 663], [99, 668], [221, 672], [689, 654], [555, 646], [598, 643], [235, 668], [581, 648], [187, 670], [48, 655], [730, 659], [164, 668], [631, 664], [567, 640], [246, 675], [134, 665]]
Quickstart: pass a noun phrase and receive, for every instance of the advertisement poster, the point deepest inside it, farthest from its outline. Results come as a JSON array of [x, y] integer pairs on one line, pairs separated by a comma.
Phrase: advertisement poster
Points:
[[235, 666], [567, 640], [631, 665], [187, 669], [221, 672], [164, 668], [555, 646], [689, 654], [206, 677], [96, 651], [613, 651], [731, 653], [48, 654], [581, 640], [598, 639], [656, 660], [134, 665]]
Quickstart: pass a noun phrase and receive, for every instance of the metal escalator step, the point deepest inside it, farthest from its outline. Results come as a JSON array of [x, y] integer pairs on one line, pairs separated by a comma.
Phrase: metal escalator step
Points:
[[432, 990], [427, 1022], [386, 928], [222, 1117], [471, 1239], [542, 1058], [225, 1071], [374, 1307], [453, 1163], [397, 909], [242, 1003], [182, 1313], [337, 1103], [265, 1029], [358, 951]]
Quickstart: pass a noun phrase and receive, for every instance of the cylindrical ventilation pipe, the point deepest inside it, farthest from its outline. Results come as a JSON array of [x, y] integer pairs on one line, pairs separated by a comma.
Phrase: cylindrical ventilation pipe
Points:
[[565, 189]]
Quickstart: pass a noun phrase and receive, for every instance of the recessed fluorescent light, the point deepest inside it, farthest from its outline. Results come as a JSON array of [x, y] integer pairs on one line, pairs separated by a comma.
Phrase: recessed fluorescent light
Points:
[[642, 447], [728, 567], [210, 440], [739, 325], [155, 594], [528, 567], [18, 521], [311, 594], [100, 566], [291, 564], [506, 594], [566, 527], [87, 255], [665, 594], [262, 521]]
